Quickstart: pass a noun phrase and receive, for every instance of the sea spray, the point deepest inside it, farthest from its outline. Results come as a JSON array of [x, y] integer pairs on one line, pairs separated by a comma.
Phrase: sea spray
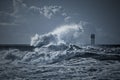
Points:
[[65, 34], [55, 45]]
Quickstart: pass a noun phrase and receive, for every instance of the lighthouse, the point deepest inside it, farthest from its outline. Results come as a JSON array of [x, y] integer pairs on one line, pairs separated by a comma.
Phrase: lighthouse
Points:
[[92, 39]]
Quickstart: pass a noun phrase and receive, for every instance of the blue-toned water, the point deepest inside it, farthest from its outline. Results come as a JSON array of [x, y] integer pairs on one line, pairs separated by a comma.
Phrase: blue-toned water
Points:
[[69, 63], [59, 55]]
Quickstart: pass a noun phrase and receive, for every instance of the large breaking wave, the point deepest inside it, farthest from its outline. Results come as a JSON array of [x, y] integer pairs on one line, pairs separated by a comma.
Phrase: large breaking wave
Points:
[[58, 45], [65, 34], [54, 46]]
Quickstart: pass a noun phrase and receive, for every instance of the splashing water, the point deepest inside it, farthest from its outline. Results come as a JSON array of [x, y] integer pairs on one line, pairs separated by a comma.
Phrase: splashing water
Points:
[[54, 46], [65, 34]]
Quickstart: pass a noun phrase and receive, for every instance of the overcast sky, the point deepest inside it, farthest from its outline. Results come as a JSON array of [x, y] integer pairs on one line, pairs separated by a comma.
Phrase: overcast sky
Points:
[[21, 19]]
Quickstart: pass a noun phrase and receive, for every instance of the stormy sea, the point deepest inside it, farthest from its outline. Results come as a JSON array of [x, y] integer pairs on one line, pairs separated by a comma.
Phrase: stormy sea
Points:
[[57, 55]]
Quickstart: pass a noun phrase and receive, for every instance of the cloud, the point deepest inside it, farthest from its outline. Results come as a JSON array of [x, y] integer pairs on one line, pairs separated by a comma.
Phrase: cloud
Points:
[[19, 9], [23, 13], [64, 14], [51, 11], [67, 19], [6, 19], [27, 14], [47, 11], [18, 5]]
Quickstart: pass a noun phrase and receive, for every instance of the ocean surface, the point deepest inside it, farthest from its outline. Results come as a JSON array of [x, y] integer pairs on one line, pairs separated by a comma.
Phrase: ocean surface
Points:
[[23, 62]]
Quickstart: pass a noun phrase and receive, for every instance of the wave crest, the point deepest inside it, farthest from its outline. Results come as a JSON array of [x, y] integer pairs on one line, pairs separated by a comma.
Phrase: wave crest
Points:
[[65, 34]]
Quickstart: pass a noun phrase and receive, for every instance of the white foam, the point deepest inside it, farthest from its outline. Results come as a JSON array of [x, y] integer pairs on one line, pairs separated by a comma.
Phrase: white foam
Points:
[[65, 34], [54, 46]]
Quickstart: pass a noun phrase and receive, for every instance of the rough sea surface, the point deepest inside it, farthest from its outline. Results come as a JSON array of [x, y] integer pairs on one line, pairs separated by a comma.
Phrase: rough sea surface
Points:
[[57, 55], [64, 63]]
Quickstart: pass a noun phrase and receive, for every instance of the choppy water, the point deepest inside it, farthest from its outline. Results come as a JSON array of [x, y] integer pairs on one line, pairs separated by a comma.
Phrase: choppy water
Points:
[[68, 63], [56, 58]]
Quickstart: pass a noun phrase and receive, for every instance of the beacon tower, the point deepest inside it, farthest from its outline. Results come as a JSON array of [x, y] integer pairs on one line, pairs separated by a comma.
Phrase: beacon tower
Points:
[[92, 39]]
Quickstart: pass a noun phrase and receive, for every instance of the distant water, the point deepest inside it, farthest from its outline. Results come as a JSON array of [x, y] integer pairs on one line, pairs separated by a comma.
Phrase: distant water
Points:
[[60, 62]]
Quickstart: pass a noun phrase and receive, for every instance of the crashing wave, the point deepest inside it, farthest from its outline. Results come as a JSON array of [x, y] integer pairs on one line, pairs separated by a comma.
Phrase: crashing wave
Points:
[[60, 44], [54, 46], [51, 54], [63, 35]]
